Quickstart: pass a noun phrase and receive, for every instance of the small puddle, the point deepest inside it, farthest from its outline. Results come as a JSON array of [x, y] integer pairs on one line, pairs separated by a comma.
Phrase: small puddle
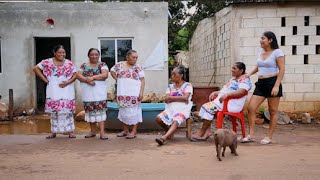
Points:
[[34, 125]]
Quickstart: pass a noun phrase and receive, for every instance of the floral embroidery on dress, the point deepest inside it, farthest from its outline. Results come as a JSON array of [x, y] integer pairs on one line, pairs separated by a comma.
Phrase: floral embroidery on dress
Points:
[[177, 92], [210, 107], [132, 73], [235, 84], [49, 69], [164, 115], [180, 115], [62, 105], [232, 85], [128, 101], [87, 71], [95, 106], [52, 71], [91, 71], [124, 97]]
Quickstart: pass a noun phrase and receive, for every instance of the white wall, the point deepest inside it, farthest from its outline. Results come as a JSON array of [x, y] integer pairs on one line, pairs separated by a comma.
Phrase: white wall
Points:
[[84, 23]]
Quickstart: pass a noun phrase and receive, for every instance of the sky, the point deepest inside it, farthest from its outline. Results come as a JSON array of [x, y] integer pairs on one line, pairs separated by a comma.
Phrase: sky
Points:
[[188, 10]]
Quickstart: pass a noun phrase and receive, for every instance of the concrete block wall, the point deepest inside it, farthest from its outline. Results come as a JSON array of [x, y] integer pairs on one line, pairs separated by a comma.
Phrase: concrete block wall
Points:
[[202, 53], [210, 53], [301, 80], [244, 25]]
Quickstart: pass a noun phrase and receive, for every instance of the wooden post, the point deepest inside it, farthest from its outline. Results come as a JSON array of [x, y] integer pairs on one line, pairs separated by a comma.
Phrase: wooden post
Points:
[[11, 104]]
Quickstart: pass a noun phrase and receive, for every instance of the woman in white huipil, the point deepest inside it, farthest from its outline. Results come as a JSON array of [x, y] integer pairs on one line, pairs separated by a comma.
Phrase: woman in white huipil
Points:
[[130, 86], [92, 76], [59, 74]]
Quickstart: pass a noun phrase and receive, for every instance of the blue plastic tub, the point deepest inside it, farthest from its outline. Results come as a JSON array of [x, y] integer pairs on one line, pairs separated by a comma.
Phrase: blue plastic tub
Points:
[[149, 113]]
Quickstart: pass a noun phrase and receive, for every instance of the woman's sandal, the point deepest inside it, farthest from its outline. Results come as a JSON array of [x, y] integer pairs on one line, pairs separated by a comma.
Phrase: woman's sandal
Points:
[[266, 140], [247, 139], [72, 136], [196, 139], [160, 141], [130, 136], [90, 135], [122, 134], [51, 136], [103, 138]]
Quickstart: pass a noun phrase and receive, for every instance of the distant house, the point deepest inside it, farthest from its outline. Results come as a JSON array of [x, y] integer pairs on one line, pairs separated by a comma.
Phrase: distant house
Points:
[[233, 34], [29, 31]]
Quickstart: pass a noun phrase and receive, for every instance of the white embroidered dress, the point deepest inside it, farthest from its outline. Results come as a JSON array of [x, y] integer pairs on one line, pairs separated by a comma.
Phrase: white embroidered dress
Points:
[[60, 102], [94, 97], [128, 90], [177, 111], [208, 109]]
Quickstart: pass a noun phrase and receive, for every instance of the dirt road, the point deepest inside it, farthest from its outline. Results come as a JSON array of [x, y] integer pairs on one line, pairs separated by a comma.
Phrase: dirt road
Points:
[[294, 155]]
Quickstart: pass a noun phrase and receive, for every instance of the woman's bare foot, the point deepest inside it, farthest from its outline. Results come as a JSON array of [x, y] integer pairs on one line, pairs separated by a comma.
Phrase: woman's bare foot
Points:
[[199, 134], [207, 134]]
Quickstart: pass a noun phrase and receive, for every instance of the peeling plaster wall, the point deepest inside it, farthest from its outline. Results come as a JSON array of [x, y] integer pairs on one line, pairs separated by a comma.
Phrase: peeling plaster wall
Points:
[[84, 23]]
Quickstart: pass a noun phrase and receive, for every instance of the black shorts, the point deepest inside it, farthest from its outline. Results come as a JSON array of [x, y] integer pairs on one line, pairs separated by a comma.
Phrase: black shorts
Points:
[[264, 87]]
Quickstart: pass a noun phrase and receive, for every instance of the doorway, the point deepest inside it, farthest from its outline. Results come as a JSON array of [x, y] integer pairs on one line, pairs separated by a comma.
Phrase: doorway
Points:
[[43, 50]]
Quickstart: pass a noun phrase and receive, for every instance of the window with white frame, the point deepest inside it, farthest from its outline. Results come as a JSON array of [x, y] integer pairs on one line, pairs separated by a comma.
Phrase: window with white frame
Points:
[[114, 50]]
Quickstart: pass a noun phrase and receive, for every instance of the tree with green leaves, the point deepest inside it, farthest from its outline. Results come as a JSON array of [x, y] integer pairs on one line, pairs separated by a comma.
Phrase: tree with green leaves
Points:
[[204, 9], [183, 24], [177, 15]]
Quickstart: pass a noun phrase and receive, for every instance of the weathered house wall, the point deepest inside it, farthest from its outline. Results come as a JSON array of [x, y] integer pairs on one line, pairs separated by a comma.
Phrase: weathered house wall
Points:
[[85, 24]]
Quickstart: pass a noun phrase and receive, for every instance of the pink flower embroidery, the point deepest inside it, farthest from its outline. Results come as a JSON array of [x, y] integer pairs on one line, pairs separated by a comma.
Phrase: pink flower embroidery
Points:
[[134, 75]]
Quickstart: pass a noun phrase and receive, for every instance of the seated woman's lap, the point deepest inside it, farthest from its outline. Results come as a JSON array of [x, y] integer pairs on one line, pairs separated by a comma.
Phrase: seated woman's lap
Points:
[[207, 111], [168, 118]]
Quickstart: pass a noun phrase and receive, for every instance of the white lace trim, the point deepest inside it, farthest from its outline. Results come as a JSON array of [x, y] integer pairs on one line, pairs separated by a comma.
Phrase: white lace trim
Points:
[[130, 115], [93, 117], [62, 122]]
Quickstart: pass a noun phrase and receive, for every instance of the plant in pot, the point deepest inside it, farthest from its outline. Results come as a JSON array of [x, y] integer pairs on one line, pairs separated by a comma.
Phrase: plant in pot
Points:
[[260, 115]]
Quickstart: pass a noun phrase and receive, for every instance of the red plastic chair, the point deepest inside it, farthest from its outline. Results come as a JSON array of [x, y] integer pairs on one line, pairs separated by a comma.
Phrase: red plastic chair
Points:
[[234, 117]]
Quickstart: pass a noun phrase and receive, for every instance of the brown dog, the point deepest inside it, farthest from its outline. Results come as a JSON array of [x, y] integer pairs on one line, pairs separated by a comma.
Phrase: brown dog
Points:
[[224, 138]]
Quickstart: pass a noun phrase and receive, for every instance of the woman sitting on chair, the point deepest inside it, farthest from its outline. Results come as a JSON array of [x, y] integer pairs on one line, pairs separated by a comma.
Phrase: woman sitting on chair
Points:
[[178, 104], [237, 88]]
